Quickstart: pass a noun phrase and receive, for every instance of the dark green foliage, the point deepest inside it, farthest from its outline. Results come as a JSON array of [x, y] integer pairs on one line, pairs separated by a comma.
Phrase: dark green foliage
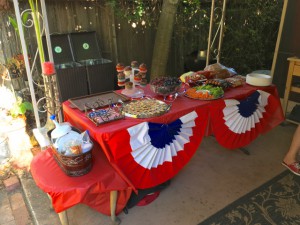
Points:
[[250, 34]]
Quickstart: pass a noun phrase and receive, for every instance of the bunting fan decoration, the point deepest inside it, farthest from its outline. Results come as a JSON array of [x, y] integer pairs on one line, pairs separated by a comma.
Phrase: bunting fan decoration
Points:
[[152, 153], [236, 123]]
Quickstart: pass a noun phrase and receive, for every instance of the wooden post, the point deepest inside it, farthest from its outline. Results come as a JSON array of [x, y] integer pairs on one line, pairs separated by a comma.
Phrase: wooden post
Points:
[[279, 36], [210, 31]]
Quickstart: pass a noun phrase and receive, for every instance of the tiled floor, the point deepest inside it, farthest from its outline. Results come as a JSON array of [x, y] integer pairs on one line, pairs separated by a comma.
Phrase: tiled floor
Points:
[[211, 180]]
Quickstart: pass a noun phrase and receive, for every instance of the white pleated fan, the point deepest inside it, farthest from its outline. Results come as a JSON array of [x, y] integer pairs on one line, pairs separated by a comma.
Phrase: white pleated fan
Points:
[[153, 144], [241, 116]]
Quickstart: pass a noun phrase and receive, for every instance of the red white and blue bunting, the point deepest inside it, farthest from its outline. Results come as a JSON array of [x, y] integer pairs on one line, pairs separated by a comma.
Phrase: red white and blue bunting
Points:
[[236, 123], [153, 144], [152, 153]]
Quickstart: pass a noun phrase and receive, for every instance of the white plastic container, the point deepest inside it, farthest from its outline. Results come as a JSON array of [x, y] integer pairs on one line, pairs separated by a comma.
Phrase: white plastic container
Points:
[[258, 79]]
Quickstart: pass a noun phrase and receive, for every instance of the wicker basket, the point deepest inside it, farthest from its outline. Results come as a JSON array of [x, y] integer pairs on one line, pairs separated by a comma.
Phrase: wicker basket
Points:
[[76, 165]]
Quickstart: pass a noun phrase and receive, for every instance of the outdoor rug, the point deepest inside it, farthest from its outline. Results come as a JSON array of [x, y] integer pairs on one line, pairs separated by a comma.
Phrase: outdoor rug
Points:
[[275, 202]]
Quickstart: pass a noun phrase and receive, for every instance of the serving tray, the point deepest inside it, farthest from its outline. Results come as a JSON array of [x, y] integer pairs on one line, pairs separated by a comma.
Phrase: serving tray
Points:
[[98, 100], [145, 108], [105, 115], [204, 93]]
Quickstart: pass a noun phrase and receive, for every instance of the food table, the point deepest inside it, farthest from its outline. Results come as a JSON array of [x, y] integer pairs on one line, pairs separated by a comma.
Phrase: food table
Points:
[[148, 152], [101, 189]]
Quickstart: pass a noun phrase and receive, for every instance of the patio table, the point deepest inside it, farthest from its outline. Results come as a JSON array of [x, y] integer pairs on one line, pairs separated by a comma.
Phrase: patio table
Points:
[[148, 152], [101, 189]]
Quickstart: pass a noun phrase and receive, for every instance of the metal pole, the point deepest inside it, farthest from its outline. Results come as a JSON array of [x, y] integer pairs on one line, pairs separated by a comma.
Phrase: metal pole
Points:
[[26, 60], [210, 30], [221, 31], [49, 46]]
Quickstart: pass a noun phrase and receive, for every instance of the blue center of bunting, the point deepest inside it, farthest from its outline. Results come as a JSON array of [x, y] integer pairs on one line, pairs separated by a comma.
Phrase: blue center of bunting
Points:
[[163, 134], [248, 106]]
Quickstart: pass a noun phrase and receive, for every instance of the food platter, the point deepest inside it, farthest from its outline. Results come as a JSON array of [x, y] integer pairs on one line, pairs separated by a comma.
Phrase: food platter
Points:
[[205, 99], [145, 108], [205, 92], [105, 115], [193, 83], [98, 100]]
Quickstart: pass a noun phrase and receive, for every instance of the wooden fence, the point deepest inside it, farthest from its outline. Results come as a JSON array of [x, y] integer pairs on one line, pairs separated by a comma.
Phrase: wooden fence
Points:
[[122, 44]]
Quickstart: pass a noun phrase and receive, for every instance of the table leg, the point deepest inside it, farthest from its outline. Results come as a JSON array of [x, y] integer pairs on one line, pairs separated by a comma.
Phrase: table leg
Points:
[[63, 218], [51, 206], [113, 203]]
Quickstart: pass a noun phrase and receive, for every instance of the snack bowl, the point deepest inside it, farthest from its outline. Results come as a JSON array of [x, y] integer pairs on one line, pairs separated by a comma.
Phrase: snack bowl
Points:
[[258, 79], [165, 86]]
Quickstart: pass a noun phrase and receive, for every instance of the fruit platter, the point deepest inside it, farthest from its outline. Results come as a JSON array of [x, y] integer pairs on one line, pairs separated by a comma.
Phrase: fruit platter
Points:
[[205, 92]]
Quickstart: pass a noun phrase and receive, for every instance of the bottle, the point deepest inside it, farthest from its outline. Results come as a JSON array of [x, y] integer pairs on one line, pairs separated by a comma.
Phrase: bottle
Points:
[[60, 129]]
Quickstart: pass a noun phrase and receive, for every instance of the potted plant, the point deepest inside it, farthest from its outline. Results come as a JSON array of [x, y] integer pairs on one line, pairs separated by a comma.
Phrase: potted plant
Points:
[[13, 111], [15, 115]]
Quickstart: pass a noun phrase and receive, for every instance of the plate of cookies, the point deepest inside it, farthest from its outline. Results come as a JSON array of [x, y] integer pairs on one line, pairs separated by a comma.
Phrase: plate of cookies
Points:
[[145, 108]]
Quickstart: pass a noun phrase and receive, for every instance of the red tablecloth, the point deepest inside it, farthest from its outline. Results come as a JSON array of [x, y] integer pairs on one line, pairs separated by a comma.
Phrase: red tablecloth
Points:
[[92, 189], [125, 155]]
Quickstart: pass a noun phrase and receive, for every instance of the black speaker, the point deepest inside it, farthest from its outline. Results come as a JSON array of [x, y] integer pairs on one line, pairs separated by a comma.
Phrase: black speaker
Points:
[[61, 48], [85, 46]]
